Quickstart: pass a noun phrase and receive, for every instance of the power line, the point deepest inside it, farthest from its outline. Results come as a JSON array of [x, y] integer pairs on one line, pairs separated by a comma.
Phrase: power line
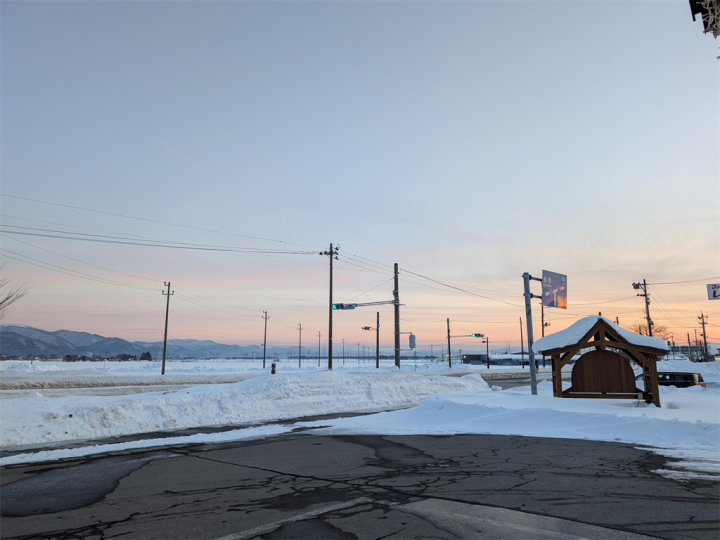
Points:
[[169, 245], [78, 260], [459, 289], [370, 289], [153, 220], [67, 271], [688, 281]]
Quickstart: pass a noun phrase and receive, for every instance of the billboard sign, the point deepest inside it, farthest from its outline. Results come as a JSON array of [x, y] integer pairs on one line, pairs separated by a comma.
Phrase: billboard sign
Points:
[[554, 290], [714, 291]]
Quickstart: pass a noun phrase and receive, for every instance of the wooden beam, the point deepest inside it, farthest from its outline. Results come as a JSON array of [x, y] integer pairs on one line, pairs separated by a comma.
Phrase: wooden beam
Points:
[[557, 377]]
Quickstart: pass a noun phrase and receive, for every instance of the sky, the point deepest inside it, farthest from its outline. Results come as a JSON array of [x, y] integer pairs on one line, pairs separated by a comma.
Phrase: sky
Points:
[[468, 142]]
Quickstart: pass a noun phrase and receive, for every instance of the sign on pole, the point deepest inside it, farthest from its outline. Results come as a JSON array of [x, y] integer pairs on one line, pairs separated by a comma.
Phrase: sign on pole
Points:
[[714, 291], [554, 290]]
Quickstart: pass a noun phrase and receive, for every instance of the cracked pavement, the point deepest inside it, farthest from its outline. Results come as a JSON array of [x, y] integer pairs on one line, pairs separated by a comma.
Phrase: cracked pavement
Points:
[[376, 487]]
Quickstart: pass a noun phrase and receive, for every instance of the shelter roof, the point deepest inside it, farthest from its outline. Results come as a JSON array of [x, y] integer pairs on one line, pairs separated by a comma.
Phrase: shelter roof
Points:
[[575, 332]]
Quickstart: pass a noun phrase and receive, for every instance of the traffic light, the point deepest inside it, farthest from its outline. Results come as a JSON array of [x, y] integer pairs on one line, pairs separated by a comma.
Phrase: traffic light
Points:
[[412, 341], [368, 328], [344, 306], [477, 335]]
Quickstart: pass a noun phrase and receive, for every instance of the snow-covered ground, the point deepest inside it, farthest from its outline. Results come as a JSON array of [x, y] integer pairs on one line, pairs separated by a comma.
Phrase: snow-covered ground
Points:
[[687, 426], [35, 419]]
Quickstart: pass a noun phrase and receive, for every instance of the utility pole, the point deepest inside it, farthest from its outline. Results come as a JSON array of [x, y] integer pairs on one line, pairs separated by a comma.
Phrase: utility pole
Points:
[[377, 342], [358, 356], [265, 317], [396, 298], [300, 346], [690, 354], [343, 351], [528, 318], [449, 353], [522, 346], [643, 286], [167, 312], [487, 350], [319, 336], [332, 254], [542, 320], [704, 336]]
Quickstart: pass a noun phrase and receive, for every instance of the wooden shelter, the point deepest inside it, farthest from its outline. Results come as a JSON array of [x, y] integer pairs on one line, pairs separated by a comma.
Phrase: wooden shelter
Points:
[[605, 370]]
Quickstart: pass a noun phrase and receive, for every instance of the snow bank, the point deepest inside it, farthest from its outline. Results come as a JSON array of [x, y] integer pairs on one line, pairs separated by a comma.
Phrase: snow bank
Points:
[[198, 438], [35, 419], [689, 420], [576, 331]]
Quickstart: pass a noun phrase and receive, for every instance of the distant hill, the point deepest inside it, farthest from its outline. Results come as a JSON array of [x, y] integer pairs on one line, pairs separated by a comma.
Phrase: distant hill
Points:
[[20, 340]]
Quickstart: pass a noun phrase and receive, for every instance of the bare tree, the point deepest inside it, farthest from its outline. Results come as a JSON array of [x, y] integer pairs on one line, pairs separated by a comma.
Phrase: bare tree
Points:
[[658, 330], [9, 293]]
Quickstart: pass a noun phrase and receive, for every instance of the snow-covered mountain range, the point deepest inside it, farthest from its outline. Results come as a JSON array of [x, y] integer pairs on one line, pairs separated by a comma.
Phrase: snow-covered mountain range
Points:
[[22, 340]]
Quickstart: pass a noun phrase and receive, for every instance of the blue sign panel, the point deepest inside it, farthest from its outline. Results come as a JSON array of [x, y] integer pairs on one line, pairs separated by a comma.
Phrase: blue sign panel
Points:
[[554, 290]]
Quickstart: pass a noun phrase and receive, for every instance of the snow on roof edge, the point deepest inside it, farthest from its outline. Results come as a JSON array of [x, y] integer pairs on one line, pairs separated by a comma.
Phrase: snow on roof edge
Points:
[[575, 332]]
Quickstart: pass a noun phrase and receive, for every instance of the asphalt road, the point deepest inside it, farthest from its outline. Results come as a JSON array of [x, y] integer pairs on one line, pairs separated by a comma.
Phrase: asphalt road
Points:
[[377, 487]]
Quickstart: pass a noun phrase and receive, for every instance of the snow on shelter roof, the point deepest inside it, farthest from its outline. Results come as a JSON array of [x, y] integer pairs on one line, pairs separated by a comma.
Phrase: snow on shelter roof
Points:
[[576, 331]]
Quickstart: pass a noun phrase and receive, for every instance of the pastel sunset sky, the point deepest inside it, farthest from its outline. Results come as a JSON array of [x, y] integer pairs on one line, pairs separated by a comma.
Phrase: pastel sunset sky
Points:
[[467, 141]]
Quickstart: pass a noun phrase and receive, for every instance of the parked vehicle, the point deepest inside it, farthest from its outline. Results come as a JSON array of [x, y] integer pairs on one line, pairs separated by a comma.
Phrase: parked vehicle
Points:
[[679, 379]]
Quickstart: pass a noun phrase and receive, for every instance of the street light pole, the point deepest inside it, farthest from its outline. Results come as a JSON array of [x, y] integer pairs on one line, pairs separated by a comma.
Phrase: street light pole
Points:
[[265, 316], [449, 353], [300, 346]]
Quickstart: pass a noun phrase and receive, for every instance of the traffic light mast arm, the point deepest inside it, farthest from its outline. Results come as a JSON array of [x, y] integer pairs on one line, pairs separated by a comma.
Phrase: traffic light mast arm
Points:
[[385, 302]]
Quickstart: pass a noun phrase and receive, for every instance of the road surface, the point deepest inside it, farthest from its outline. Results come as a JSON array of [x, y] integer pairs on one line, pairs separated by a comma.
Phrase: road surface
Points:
[[375, 487]]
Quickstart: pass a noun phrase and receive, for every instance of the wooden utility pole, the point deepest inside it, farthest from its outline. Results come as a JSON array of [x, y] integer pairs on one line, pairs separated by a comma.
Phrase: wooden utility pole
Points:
[[396, 298], [265, 317], [487, 350], [377, 341], [449, 350], [333, 255], [690, 355], [300, 346], [704, 336], [319, 336], [643, 286], [167, 313]]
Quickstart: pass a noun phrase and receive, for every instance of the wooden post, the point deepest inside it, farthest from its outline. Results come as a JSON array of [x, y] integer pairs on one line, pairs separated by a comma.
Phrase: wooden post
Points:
[[556, 377], [654, 381]]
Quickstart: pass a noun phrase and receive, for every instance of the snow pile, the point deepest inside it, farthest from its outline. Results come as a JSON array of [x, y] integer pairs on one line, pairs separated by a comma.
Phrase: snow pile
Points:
[[688, 422], [26, 367], [576, 331], [35, 419]]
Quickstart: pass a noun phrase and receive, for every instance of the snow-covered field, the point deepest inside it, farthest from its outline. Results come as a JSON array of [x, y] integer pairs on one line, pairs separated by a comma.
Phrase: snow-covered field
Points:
[[226, 366]]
